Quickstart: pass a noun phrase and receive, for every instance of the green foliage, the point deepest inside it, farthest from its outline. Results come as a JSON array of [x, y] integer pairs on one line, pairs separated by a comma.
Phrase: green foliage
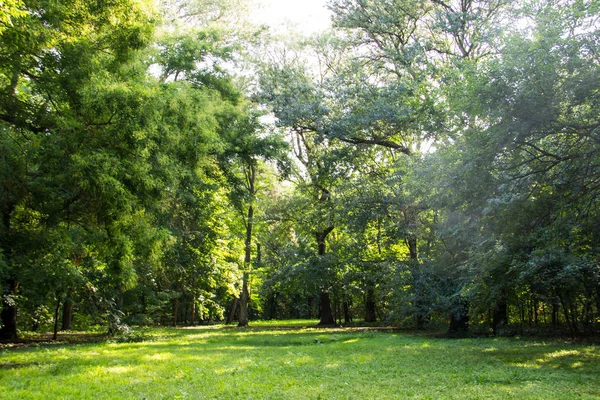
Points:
[[109, 176], [428, 161]]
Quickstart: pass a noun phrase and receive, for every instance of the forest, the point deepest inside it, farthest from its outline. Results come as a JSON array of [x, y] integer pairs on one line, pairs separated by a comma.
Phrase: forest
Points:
[[423, 164]]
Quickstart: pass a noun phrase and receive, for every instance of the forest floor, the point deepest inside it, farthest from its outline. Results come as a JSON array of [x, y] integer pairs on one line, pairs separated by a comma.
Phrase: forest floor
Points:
[[292, 360]]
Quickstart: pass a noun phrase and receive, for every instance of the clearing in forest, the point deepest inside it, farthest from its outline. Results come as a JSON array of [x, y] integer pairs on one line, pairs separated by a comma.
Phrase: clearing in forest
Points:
[[271, 361]]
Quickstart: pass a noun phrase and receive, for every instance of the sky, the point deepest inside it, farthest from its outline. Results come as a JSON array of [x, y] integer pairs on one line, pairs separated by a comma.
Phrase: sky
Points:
[[306, 16]]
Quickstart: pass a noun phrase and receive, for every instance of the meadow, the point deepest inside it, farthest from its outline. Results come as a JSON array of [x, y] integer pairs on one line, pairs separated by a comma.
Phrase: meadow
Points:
[[296, 361]]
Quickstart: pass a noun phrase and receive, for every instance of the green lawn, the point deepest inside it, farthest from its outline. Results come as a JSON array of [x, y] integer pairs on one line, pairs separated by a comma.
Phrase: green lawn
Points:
[[286, 361]]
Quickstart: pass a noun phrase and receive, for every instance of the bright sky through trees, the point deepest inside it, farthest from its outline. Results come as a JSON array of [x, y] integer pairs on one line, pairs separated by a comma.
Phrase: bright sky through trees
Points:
[[308, 16]]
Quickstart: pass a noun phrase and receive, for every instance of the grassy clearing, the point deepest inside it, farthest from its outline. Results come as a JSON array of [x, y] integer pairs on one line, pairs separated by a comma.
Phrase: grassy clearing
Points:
[[279, 361]]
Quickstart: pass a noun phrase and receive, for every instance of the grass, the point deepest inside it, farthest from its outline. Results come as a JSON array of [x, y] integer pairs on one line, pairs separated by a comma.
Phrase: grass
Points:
[[285, 361]]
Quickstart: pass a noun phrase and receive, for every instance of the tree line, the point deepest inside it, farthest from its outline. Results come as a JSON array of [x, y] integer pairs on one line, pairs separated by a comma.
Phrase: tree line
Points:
[[423, 162]]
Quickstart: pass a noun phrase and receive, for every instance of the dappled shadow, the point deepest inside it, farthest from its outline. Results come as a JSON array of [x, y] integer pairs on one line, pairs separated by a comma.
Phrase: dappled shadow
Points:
[[346, 360], [574, 358], [16, 365], [45, 339]]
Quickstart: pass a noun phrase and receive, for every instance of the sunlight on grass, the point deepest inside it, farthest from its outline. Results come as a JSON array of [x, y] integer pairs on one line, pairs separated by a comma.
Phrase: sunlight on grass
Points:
[[561, 353], [158, 357], [294, 363], [117, 370]]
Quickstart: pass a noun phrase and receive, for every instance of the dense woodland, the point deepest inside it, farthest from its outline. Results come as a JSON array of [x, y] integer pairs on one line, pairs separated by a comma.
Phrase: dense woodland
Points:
[[425, 163]]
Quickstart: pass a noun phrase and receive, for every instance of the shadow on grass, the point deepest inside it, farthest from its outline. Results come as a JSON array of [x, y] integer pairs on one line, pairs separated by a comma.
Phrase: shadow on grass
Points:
[[346, 363], [229, 342]]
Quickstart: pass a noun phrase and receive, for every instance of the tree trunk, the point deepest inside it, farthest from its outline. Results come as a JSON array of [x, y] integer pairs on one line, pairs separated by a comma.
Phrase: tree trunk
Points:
[[244, 299], [56, 312], [459, 322], [500, 317], [193, 311], [67, 316], [347, 314], [272, 310], [411, 241], [193, 300], [175, 310], [555, 308], [421, 320], [245, 295], [370, 314], [144, 302], [9, 314], [569, 316], [233, 310], [325, 311]]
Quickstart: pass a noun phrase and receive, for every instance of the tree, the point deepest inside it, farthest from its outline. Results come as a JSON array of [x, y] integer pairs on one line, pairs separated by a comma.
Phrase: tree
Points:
[[63, 68], [247, 145]]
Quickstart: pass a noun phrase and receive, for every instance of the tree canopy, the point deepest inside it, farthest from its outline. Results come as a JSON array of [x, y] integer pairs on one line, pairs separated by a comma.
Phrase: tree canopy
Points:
[[422, 163]]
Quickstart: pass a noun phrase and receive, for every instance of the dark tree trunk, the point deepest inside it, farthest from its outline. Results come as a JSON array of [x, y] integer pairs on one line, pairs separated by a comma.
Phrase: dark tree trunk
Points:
[[347, 313], [325, 311], [186, 309], [321, 244], [370, 313], [67, 315], [296, 309], [459, 323], [411, 241], [234, 307], [175, 310], [500, 316], [272, 311], [120, 301], [569, 316], [56, 313], [336, 308], [421, 320], [193, 300], [9, 314], [244, 300]]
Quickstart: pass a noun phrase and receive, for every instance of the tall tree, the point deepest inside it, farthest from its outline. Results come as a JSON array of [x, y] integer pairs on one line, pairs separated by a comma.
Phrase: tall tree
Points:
[[247, 145], [62, 69]]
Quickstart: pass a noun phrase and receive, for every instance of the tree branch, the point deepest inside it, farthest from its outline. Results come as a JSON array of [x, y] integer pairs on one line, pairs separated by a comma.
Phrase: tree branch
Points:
[[377, 141], [19, 123]]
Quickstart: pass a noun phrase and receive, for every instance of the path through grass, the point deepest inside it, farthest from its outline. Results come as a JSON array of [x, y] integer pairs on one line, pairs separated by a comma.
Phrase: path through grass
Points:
[[288, 362]]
